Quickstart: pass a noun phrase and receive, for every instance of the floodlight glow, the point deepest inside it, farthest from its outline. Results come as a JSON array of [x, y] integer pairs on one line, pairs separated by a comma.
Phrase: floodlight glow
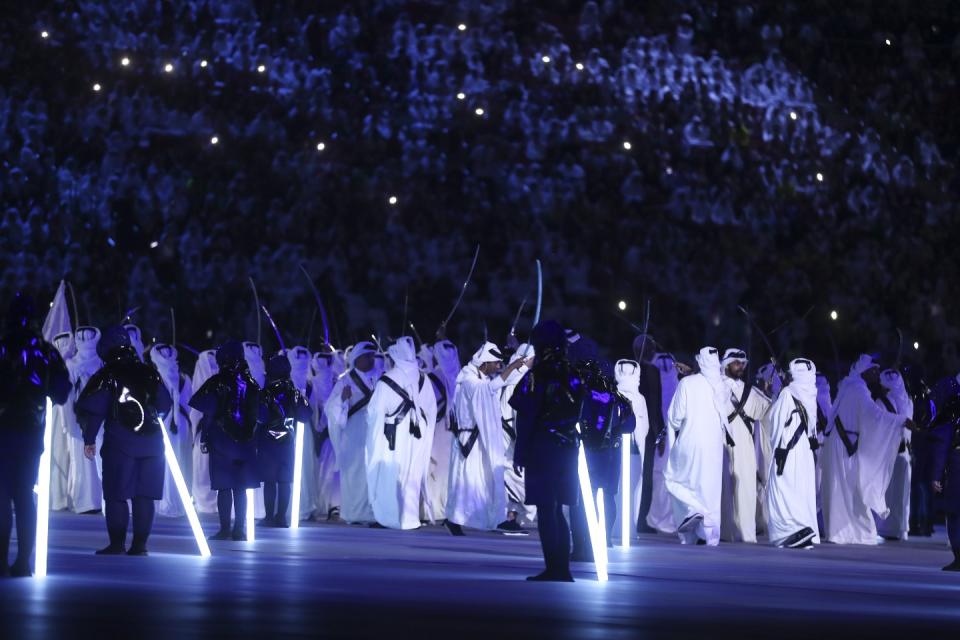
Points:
[[478, 111], [462, 27], [461, 95], [44, 34], [627, 145], [819, 177], [626, 514], [125, 61], [834, 315], [96, 86], [261, 69], [597, 542], [793, 115], [154, 244], [297, 478], [214, 140], [546, 59], [185, 498], [887, 42], [579, 66], [321, 146], [916, 345], [168, 68], [43, 496], [392, 199], [203, 64], [622, 305], [251, 523]]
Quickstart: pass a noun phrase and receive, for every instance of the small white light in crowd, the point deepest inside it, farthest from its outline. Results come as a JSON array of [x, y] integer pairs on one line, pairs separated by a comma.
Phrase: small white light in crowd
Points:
[[209, 333], [916, 345], [461, 95], [125, 61], [627, 146], [51, 305], [261, 69], [214, 140], [321, 146], [462, 27], [44, 34], [819, 177], [154, 244], [96, 86], [887, 42], [168, 68], [622, 305], [546, 59], [392, 199], [111, 242], [834, 315], [478, 111], [793, 115], [203, 64], [579, 66], [669, 171]]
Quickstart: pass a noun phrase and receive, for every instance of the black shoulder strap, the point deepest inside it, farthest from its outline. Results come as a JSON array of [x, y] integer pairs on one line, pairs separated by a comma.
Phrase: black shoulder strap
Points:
[[364, 389], [849, 445], [801, 428]]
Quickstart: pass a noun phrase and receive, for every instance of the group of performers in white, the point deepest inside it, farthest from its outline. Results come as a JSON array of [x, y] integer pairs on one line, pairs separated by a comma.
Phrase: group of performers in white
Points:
[[407, 436]]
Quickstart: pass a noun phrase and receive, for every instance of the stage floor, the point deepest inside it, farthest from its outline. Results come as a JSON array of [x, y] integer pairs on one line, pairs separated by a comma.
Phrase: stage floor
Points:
[[334, 580]]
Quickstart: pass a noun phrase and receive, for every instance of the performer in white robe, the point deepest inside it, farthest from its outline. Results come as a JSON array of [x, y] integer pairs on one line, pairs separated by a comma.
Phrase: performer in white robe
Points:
[[61, 420], [517, 511], [322, 379], [136, 338], [477, 495], [738, 520], [85, 489], [859, 456], [896, 526], [444, 378], [346, 412], [204, 498], [400, 424], [791, 491], [253, 356], [627, 373], [660, 516], [310, 502], [164, 358], [698, 417]]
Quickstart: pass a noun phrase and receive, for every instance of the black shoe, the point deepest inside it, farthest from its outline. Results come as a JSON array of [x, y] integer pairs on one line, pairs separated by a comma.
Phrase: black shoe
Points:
[[92, 512], [701, 542], [137, 551], [20, 570], [238, 536], [111, 550], [376, 525], [955, 565], [267, 522], [454, 528], [510, 525], [800, 539], [581, 557], [646, 529], [550, 576], [223, 534], [279, 522], [333, 514], [690, 523]]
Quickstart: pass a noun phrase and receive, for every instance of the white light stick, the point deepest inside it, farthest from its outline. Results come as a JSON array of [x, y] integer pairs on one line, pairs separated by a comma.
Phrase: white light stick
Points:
[[185, 498], [597, 540], [626, 515], [43, 496], [297, 478], [251, 522]]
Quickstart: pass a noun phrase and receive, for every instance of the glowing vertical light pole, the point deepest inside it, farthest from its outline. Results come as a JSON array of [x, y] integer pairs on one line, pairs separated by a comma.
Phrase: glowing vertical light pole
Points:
[[43, 495], [297, 478], [597, 537], [251, 516], [626, 514], [185, 498]]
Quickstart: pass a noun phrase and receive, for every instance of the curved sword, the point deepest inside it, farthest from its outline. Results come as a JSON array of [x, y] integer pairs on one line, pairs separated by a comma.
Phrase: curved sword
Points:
[[276, 330], [256, 302], [76, 309], [516, 318], [463, 289], [766, 340], [536, 314], [323, 309]]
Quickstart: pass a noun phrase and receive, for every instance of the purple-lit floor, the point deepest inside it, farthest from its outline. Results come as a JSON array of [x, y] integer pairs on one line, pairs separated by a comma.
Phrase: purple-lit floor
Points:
[[336, 580]]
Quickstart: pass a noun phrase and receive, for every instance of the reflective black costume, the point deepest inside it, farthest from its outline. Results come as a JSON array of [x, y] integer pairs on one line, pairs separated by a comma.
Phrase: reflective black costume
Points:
[[230, 404], [31, 370], [943, 421], [126, 397], [284, 407], [548, 400]]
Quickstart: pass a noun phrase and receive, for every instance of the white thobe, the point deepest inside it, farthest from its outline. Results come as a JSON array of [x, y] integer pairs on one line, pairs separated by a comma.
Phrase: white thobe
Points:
[[84, 485], [477, 496], [694, 470], [897, 524], [738, 522], [516, 490], [396, 477], [853, 486], [660, 516], [348, 437]]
